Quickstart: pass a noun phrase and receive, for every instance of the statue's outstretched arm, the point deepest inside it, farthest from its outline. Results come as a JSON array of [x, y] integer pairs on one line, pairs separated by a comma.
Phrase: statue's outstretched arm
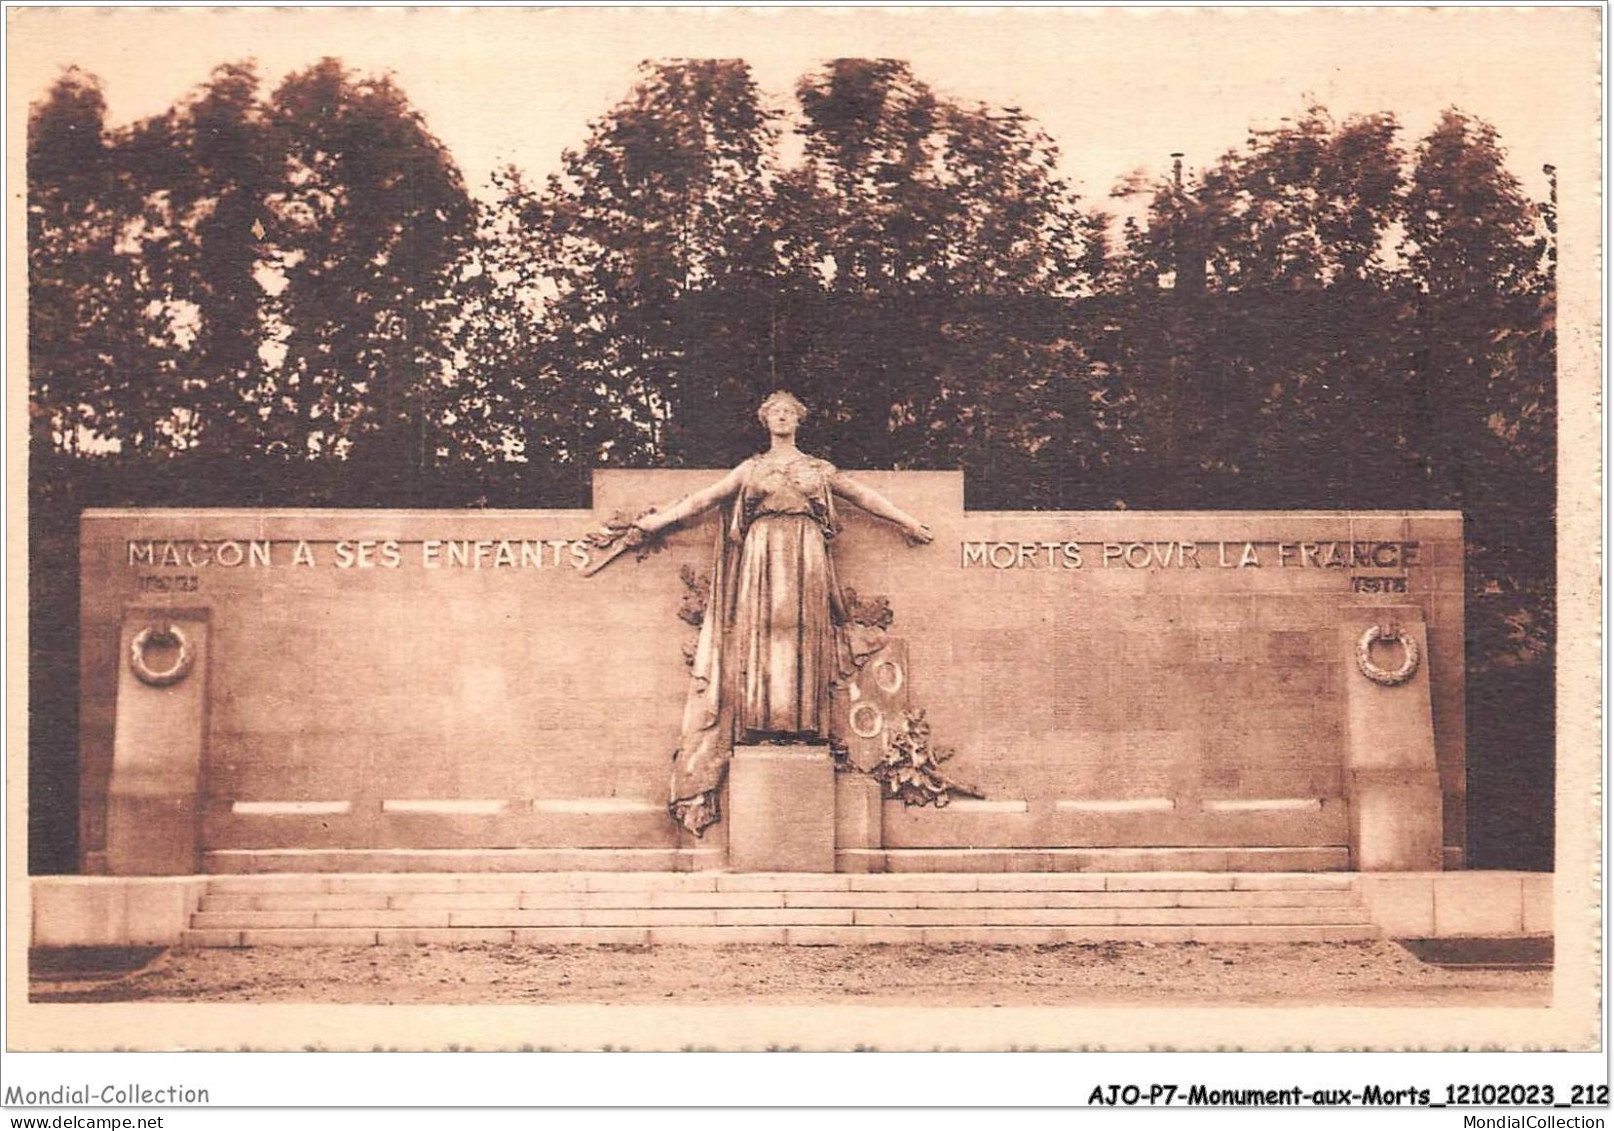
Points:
[[869, 499], [694, 504]]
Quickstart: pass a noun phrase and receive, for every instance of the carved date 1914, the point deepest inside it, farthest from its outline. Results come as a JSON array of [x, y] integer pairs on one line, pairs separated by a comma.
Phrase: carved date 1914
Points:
[[169, 583]]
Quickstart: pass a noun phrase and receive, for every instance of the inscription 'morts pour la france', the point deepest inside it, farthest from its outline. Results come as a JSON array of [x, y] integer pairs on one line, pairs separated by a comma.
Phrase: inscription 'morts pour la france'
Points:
[[1074, 554]]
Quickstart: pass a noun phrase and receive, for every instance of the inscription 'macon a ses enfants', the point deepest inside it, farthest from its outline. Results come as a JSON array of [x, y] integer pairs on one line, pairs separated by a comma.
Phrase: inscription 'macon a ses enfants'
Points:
[[361, 553], [1174, 554]]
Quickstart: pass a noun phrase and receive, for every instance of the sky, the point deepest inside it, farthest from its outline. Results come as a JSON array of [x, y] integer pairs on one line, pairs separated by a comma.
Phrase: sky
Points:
[[1118, 90]]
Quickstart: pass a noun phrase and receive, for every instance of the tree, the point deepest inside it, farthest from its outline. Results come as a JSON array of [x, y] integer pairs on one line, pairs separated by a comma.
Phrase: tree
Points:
[[946, 254], [1306, 205], [368, 227], [90, 349], [1480, 256], [1472, 252], [201, 176], [514, 425], [682, 271], [1267, 325], [656, 246]]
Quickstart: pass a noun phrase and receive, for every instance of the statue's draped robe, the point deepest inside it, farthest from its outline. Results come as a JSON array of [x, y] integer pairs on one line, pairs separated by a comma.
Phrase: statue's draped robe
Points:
[[772, 642]]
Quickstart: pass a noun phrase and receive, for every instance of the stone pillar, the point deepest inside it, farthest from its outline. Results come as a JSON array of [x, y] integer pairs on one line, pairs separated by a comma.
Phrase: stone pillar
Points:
[[153, 807], [782, 809], [1391, 779]]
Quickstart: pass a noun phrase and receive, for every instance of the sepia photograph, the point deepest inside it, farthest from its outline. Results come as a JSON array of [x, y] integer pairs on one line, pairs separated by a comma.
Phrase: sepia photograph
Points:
[[749, 528]]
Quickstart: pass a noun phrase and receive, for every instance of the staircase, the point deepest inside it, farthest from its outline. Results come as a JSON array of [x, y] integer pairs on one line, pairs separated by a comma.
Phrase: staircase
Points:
[[803, 909]]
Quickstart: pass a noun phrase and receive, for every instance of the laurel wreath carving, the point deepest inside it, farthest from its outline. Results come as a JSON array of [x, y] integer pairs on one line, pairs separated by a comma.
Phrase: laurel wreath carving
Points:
[[620, 535], [160, 634], [1387, 677]]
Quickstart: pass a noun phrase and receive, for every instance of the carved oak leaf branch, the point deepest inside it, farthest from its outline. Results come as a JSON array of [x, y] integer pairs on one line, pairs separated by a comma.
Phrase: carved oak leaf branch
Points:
[[910, 769]]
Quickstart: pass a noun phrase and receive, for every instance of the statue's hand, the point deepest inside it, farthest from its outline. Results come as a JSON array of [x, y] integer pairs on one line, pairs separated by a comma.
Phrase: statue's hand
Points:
[[918, 534], [647, 525]]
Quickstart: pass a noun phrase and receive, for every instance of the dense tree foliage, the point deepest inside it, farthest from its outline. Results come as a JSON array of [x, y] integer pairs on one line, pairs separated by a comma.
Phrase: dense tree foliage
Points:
[[656, 243], [291, 298], [944, 255], [89, 337]]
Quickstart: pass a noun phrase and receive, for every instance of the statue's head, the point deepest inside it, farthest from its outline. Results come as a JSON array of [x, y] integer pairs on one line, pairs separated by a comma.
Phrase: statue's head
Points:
[[775, 400]]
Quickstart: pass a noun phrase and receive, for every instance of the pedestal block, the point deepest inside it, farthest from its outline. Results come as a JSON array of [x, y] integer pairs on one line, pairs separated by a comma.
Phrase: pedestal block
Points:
[[1391, 776], [782, 809], [1395, 821]]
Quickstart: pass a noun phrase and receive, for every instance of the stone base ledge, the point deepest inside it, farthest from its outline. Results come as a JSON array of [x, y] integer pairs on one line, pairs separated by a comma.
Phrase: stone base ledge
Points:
[[1454, 904], [1322, 858], [113, 910], [246, 861]]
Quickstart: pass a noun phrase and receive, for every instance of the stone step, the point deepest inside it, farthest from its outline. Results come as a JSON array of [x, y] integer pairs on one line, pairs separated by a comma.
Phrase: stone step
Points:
[[706, 908], [389, 883], [781, 917], [467, 901], [780, 935], [919, 861]]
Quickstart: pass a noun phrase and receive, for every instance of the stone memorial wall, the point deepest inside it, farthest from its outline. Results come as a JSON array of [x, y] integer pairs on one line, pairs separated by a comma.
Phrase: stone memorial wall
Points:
[[374, 690]]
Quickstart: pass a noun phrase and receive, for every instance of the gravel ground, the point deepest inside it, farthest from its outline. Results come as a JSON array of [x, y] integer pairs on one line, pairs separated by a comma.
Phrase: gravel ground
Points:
[[1271, 974]]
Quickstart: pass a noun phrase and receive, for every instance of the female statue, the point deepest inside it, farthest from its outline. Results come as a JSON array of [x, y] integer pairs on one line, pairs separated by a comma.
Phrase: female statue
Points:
[[772, 640]]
